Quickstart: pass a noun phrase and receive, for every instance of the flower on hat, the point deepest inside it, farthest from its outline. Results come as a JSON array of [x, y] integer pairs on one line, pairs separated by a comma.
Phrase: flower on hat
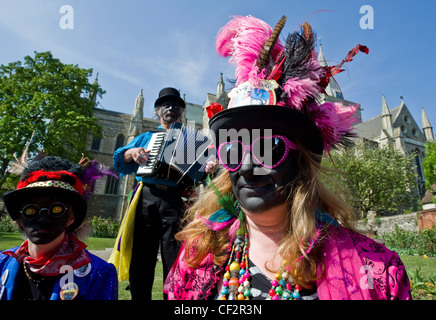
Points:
[[213, 109]]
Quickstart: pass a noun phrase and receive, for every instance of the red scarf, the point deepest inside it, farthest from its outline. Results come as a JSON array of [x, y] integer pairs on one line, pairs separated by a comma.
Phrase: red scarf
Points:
[[71, 251]]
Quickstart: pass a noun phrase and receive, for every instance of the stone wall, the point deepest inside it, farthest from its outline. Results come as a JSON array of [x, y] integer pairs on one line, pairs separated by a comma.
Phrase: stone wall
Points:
[[103, 205], [374, 228]]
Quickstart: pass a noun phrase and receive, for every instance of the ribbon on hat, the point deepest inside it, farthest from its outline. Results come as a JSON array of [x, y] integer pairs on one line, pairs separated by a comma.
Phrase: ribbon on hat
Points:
[[43, 175]]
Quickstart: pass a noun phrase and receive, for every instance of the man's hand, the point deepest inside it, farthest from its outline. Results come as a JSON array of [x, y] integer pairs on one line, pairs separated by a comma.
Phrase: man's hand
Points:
[[211, 166], [139, 155]]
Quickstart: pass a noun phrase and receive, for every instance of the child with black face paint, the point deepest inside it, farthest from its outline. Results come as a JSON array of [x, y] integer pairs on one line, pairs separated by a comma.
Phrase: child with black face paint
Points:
[[267, 228], [49, 207]]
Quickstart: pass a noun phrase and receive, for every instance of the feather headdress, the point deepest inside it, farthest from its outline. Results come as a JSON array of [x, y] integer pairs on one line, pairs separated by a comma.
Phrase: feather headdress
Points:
[[290, 70]]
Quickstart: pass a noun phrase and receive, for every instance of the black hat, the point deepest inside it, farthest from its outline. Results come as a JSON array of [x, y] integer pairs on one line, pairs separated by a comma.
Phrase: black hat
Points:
[[54, 176], [169, 94], [282, 120]]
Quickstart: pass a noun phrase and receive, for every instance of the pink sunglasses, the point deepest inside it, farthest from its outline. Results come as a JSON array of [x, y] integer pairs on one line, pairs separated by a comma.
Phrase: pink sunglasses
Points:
[[275, 149]]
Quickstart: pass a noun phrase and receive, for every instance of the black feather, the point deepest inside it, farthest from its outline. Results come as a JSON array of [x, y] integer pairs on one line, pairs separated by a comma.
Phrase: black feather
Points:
[[298, 52]]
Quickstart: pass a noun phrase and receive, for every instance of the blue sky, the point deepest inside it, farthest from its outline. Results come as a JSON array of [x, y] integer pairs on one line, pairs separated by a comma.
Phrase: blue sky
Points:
[[153, 44]]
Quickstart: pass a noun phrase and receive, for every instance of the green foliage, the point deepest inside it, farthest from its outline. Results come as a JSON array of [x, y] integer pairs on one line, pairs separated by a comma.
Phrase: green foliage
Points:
[[104, 228], [379, 179], [429, 164], [423, 287], [412, 242], [7, 224], [51, 99]]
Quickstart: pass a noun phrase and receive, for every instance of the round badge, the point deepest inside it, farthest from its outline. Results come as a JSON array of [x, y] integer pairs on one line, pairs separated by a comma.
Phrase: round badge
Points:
[[4, 277], [69, 291], [83, 271]]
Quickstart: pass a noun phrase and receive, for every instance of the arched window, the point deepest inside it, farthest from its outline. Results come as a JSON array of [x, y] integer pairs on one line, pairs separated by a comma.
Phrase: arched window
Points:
[[120, 141], [418, 165], [95, 145], [111, 185]]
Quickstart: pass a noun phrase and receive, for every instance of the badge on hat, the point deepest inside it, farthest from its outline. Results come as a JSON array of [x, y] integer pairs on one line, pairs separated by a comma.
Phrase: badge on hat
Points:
[[245, 94]]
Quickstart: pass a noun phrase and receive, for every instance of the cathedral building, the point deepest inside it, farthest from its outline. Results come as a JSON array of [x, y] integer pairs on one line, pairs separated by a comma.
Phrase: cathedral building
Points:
[[396, 127]]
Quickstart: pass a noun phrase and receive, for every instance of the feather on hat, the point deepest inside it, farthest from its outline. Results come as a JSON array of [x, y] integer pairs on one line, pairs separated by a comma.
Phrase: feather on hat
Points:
[[259, 56]]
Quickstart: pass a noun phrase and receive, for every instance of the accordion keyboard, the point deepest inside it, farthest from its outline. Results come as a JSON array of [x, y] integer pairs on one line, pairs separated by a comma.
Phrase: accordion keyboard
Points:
[[156, 142]]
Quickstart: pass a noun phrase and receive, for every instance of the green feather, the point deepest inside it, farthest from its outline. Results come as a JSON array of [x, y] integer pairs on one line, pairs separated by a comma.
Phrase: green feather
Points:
[[224, 200]]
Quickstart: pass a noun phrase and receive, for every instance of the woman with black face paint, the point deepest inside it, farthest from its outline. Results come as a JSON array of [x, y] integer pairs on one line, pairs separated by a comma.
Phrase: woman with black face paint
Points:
[[49, 207], [267, 228]]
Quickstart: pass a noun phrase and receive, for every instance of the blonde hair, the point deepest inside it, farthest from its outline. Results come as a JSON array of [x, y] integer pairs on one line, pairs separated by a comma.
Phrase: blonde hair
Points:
[[306, 195]]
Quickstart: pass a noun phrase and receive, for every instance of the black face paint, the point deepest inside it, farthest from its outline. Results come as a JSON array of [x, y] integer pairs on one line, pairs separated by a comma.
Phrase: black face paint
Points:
[[258, 189], [170, 111], [44, 228]]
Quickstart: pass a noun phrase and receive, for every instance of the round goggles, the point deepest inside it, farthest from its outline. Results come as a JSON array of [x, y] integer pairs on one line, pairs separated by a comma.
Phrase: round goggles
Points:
[[31, 211], [269, 151]]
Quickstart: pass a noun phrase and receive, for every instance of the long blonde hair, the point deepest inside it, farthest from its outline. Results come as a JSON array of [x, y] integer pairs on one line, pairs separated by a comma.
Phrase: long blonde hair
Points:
[[306, 195]]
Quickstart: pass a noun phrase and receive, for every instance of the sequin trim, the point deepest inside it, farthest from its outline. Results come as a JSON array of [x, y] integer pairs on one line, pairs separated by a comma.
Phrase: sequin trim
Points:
[[52, 184]]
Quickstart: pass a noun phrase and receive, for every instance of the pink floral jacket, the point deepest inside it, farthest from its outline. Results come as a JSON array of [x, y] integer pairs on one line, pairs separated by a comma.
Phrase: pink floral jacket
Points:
[[356, 268]]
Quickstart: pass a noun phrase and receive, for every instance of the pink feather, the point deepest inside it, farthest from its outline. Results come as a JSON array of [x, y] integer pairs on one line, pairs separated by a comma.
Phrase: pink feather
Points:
[[300, 89], [233, 229], [215, 226], [243, 38], [334, 121]]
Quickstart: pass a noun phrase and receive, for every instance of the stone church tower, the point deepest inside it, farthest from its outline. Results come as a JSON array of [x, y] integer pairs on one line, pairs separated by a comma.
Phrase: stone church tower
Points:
[[220, 97], [110, 194]]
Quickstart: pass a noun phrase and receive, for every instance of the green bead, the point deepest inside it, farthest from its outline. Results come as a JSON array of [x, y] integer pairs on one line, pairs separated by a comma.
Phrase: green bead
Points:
[[247, 293], [279, 290]]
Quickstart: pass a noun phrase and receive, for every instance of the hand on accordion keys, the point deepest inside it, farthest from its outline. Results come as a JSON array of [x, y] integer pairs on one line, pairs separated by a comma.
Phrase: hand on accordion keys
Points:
[[139, 155]]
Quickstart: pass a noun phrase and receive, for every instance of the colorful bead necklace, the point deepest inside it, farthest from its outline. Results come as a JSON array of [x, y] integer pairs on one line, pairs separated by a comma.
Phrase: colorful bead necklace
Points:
[[236, 284]]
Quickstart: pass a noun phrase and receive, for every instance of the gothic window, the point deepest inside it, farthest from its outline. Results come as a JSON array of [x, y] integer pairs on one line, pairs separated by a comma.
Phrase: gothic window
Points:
[[95, 145], [111, 185], [418, 165], [120, 141]]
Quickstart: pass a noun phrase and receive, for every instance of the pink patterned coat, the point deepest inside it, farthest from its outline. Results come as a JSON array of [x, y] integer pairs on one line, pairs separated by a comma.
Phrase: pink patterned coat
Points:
[[356, 268]]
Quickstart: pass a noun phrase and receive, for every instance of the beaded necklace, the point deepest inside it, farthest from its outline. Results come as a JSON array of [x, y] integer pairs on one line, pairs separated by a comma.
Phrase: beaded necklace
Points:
[[236, 284]]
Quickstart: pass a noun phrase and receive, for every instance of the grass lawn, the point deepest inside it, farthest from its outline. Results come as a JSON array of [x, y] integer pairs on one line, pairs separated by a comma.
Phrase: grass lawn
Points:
[[427, 265], [12, 239]]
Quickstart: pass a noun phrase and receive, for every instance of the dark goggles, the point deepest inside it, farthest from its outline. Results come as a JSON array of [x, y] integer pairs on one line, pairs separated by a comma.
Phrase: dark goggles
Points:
[[31, 211]]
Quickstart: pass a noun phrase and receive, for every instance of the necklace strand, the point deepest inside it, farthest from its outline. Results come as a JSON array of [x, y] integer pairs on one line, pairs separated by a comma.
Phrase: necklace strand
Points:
[[30, 277], [236, 283]]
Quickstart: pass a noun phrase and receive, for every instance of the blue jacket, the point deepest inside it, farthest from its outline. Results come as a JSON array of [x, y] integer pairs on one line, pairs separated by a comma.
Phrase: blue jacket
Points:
[[97, 283]]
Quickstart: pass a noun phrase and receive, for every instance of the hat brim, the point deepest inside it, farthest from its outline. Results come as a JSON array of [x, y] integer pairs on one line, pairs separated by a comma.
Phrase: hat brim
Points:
[[14, 198], [163, 99], [281, 120]]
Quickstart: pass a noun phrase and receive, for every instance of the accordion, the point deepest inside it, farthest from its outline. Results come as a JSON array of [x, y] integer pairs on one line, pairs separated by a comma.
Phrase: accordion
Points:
[[179, 154]]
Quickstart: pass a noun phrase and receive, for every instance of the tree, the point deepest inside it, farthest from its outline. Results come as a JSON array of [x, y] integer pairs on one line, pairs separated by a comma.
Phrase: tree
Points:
[[429, 164], [378, 179], [50, 99]]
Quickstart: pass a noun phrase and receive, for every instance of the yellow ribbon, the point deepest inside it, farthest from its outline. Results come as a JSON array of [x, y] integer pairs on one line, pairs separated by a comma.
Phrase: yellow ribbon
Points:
[[122, 252]]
